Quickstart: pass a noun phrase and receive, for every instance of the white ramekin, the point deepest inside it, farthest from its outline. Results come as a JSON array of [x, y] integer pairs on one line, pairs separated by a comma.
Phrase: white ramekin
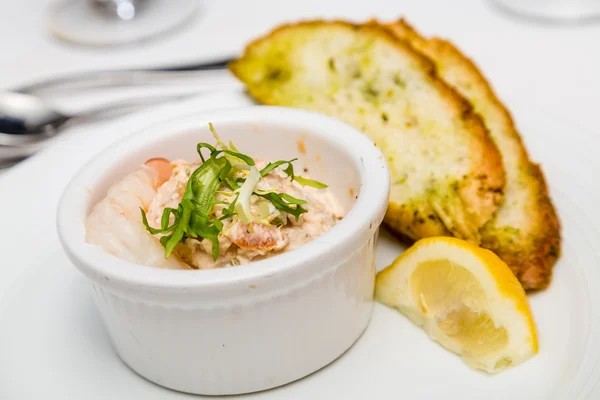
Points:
[[253, 327]]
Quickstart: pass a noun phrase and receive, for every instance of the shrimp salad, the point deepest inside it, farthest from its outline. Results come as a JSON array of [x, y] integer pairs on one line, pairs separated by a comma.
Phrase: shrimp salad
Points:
[[225, 209]]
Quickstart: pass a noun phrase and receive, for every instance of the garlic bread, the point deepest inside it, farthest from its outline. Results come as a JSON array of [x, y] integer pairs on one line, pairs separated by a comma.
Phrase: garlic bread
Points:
[[525, 232], [447, 175]]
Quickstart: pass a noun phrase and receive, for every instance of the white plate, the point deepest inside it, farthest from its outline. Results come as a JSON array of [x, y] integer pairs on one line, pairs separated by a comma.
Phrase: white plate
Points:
[[53, 344]]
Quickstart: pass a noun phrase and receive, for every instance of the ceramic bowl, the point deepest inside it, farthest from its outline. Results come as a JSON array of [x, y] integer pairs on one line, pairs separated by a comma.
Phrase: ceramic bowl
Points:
[[252, 327]]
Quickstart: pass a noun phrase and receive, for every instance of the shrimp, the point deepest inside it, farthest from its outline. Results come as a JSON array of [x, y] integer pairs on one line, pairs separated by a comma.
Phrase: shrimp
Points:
[[115, 223]]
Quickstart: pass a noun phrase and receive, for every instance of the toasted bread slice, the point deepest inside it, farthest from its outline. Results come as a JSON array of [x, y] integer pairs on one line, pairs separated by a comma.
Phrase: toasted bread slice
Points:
[[525, 231], [447, 175]]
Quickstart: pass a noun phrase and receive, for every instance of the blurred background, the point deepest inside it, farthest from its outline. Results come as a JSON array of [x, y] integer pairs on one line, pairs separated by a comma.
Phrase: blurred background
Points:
[[539, 52]]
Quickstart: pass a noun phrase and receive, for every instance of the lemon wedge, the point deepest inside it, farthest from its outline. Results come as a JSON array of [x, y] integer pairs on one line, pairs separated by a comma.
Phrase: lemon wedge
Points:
[[466, 298]]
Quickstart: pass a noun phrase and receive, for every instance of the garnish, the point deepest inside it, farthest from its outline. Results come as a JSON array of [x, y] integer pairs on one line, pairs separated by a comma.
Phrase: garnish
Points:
[[285, 203], [242, 208], [231, 174], [310, 182], [289, 170], [191, 218]]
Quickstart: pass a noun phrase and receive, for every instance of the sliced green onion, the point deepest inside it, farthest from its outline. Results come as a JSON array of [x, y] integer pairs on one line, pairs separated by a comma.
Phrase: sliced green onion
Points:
[[150, 229], [272, 165], [166, 217], [232, 147], [289, 170], [263, 209], [242, 207], [203, 145], [291, 199], [232, 184], [231, 153], [310, 182], [280, 203], [230, 211], [194, 217], [243, 157]]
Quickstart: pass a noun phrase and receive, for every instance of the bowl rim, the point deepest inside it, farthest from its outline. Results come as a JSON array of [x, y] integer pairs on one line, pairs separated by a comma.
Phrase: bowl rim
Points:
[[363, 218]]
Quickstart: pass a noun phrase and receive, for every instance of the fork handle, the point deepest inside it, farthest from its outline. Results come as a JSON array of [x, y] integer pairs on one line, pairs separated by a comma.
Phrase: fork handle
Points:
[[123, 78]]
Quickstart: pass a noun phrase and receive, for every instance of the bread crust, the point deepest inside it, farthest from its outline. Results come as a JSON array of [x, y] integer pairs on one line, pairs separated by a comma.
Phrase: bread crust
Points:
[[532, 247], [477, 196]]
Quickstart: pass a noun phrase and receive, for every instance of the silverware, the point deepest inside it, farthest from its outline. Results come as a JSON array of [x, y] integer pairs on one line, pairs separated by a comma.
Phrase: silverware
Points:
[[212, 72], [27, 122]]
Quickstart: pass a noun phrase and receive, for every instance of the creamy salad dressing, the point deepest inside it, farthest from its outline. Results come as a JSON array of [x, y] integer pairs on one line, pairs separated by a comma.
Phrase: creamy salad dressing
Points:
[[241, 243]]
